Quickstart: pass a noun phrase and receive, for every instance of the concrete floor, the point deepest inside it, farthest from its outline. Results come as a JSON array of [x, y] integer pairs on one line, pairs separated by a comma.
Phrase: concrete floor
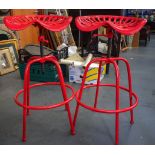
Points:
[[52, 127]]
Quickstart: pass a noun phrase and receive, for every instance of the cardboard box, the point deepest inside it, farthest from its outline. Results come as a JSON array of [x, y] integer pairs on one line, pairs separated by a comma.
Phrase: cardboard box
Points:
[[76, 73]]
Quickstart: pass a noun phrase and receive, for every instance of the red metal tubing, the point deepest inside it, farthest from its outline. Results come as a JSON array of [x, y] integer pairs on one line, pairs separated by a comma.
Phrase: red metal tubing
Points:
[[98, 82], [103, 110], [129, 85], [117, 87], [82, 86], [26, 91], [95, 60], [44, 107], [117, 74]]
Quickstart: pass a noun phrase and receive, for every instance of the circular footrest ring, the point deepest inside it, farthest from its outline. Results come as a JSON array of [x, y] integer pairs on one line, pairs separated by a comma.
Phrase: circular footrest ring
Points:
[[103, 110], [44, 107]]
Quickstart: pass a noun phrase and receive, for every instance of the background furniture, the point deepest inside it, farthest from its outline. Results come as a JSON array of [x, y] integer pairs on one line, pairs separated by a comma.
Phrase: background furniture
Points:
[[30, 34], [145, 34]]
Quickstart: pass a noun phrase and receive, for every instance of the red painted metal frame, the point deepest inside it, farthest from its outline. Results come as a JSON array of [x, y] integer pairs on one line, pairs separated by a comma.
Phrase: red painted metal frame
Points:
[[122, 24], [26, 91], [42, 39], [50, 22], [117, 109]]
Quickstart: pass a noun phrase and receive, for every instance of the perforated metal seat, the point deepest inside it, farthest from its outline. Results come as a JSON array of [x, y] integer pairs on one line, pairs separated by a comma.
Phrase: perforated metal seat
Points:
[[123, 25]]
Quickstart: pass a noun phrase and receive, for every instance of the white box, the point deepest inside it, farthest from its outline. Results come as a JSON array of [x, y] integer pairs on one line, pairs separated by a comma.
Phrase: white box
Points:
[[76, 73]]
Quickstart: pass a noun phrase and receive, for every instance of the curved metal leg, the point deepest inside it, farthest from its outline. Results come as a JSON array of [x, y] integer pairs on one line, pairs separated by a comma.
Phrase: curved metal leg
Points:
[[130, 90], [70, 120], [64, 93], [117, 74], [98, 82], [76, 113], [24, 125], [28, 94], [80, 94], [130, 87], [26, 99]]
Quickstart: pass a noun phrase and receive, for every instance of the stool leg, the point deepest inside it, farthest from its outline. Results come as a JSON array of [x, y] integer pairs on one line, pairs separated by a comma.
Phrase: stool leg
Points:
[[28, 94], [26, 99], [25, 113], [98, 82], [64, 93], [80, 94], [117, 73], [24, 125], [67, 108], [70, 120], [76, 113], [130, 90], [130, 87], [130, 93]]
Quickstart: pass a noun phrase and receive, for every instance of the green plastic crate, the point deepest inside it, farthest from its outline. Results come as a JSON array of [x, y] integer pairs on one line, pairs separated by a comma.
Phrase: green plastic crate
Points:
[[48, 74]]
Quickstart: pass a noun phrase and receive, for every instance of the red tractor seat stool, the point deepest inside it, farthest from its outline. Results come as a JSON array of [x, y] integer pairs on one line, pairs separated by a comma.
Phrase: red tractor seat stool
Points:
[[26, 92], [117, 87], [116, 25], [53, 23]]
